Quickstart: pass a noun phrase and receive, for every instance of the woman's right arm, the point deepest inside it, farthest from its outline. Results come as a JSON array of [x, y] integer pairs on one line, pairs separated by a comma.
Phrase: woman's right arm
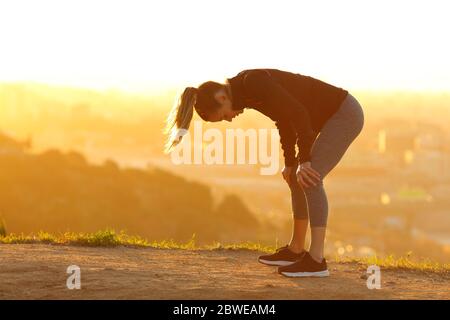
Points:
[[288, 139], [260, 85]]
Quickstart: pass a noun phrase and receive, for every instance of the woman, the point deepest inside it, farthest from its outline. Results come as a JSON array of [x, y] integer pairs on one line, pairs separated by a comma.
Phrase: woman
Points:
[[321, 119]]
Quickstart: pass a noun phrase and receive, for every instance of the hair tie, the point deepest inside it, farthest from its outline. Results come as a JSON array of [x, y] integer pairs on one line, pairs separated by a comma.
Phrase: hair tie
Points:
[[180, 133]]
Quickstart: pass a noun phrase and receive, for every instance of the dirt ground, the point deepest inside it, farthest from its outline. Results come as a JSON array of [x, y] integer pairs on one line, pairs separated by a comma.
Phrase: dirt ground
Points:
[[37, 271]]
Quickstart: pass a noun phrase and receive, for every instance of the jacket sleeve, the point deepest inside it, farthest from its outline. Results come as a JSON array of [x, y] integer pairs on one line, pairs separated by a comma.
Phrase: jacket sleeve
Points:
[[288, 141], [288, 109]]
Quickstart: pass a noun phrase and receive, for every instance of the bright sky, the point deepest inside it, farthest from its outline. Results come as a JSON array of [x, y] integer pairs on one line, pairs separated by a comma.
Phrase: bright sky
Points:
[[134, 45]]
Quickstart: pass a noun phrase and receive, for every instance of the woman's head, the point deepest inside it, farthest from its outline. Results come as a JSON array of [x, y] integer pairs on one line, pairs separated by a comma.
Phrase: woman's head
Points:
[[211, 100]]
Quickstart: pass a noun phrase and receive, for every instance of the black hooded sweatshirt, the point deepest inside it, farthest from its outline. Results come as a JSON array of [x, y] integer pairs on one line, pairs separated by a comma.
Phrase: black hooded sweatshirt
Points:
[[300, 105]]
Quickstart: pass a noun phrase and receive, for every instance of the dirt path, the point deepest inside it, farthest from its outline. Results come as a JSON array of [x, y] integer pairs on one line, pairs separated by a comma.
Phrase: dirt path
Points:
[[39, 272]]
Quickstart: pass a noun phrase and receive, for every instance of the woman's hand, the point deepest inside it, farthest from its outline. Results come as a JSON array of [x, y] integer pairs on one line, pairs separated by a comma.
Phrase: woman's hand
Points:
[[306, 175], [287, 172]]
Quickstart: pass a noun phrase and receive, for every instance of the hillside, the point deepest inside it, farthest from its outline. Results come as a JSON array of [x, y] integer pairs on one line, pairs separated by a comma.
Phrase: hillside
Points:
[[60, 191], [38, 271]]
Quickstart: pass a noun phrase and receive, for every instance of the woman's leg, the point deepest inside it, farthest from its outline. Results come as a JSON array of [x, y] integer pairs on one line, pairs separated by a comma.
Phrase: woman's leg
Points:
[[333, 141], [299, 229], [317, 243], [300, 215]]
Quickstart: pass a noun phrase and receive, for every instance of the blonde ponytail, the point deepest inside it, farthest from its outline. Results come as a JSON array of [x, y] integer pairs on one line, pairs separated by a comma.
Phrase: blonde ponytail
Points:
[[179, 118]]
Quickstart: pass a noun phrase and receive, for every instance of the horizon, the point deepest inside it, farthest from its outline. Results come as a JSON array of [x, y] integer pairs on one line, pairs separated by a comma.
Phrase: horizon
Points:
[[148, 92]]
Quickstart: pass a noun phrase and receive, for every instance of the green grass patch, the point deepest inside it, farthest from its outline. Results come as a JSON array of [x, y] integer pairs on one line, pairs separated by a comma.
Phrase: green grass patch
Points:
[[252, 246], [103, 238], [402, 262], [110, 238]]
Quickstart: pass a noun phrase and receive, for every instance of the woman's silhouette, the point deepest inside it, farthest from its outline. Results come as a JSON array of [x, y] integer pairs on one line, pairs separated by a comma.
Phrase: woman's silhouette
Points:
[[321, 119]]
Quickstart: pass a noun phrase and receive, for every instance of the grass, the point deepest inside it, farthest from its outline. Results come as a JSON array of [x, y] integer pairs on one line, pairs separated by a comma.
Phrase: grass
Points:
[[241, 246], [109, 238], [2, 228], [402, 263], [103, 238]]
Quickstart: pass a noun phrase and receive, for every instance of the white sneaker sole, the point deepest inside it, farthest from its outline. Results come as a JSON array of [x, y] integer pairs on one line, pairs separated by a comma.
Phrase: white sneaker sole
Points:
[[276, 263], [320, 274]]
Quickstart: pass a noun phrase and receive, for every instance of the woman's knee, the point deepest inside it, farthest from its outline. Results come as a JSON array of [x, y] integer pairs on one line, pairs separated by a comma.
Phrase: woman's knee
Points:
[[293, 183], [311, 188]]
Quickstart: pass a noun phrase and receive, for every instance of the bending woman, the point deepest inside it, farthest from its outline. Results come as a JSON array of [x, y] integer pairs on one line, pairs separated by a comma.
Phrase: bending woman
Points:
[[320, 119]]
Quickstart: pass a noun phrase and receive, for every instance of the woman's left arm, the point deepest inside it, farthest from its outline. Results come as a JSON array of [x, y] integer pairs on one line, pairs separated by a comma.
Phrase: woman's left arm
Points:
[[261, 85]]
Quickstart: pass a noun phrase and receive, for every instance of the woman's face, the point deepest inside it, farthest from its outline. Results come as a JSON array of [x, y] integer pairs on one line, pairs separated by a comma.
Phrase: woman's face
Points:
[[225, 112]]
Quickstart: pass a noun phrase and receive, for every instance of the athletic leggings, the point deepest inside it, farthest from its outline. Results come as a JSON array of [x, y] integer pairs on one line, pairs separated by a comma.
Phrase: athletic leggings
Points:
[[334, 138]]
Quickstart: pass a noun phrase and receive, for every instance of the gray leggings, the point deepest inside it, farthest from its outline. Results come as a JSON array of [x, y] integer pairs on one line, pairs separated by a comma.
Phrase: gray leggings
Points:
[[333, 140]]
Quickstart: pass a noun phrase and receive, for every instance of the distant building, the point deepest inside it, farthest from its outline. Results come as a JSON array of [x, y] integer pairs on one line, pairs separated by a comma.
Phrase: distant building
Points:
[[417, 147]]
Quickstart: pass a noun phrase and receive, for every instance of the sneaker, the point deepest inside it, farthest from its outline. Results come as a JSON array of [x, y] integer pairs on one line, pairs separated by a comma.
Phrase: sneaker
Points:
[[282, 257], [306, 267]]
